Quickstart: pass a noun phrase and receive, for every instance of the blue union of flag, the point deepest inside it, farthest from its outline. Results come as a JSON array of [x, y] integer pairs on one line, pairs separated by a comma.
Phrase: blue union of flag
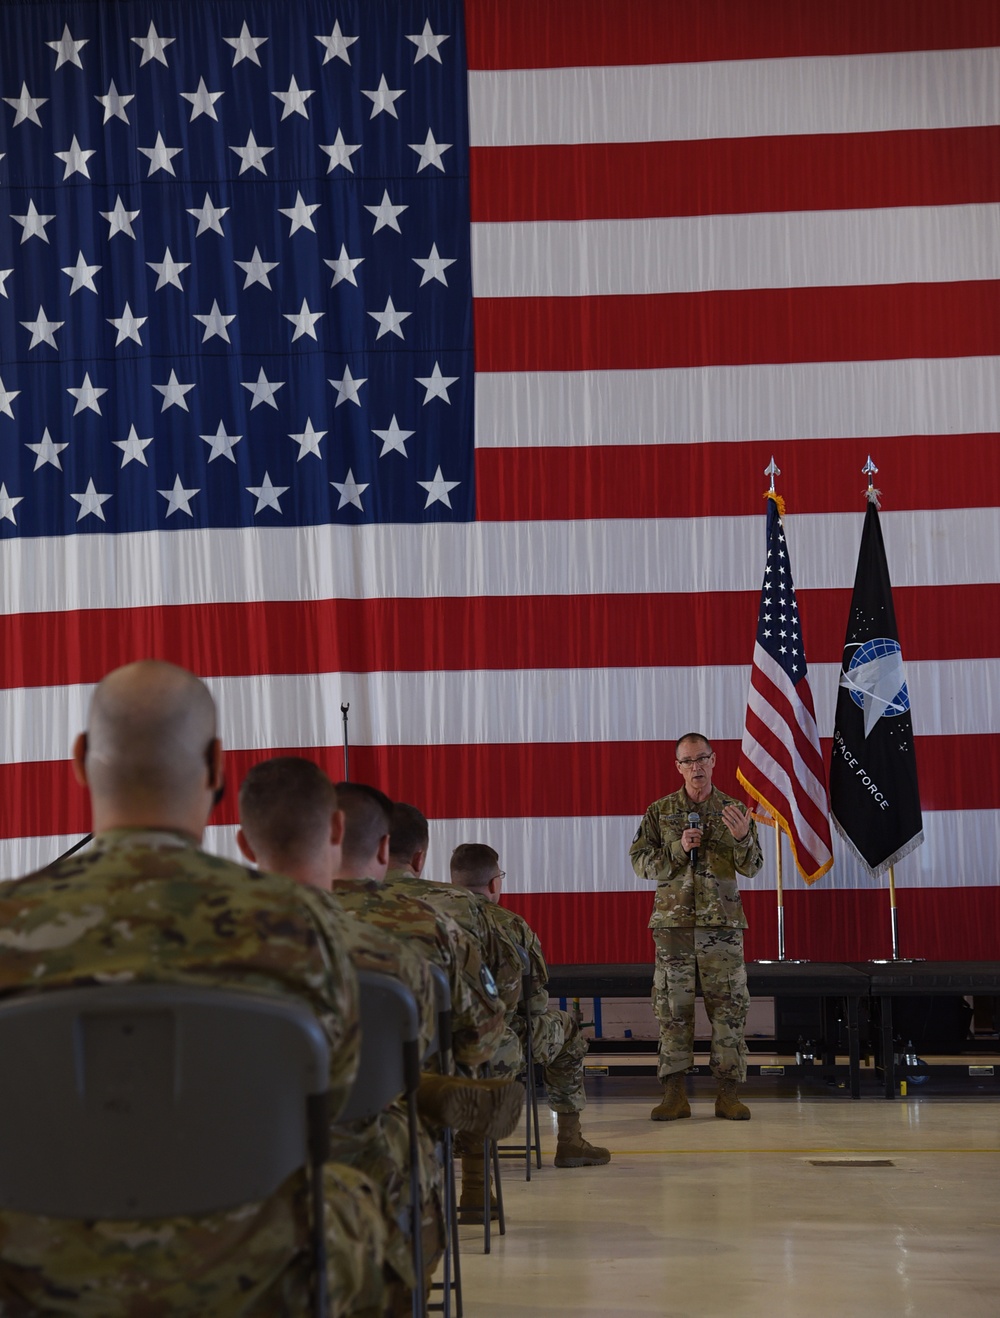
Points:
[[234, 259]]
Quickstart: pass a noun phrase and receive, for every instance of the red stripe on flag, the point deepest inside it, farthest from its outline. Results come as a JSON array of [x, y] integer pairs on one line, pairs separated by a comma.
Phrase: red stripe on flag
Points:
[[801, 807], [936, 924], [495, 781], [523, 34], [694, 480], [738, 327], [789, 705], [456, 634], [632, 180]]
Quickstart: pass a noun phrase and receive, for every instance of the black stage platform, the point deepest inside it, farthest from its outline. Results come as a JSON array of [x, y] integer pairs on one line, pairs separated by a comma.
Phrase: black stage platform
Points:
[[832, 982]]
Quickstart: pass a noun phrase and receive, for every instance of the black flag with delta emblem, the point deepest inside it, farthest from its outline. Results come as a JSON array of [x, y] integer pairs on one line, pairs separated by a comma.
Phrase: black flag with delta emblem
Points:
[[874, 797]]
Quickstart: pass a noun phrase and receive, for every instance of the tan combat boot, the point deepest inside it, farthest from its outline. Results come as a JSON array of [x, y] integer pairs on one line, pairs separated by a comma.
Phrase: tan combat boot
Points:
[[483, 1109], [727, 1105], [674, 1103], [470, 1205], [572, 1150]]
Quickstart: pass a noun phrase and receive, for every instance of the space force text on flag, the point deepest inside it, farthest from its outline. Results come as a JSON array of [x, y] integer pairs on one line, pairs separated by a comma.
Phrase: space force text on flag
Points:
[[874, 794]]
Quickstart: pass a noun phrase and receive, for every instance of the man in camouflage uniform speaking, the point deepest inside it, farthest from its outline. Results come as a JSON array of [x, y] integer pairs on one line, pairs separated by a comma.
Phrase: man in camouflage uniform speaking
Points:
[[692, 844], [145, 905]]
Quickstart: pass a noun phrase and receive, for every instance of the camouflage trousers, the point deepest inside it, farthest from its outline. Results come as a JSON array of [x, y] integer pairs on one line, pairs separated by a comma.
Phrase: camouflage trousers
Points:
[[715, 956], [559, 1048], [380, 1149]]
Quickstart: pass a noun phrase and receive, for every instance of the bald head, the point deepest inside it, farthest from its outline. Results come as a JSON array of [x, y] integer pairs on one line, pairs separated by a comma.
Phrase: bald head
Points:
[[150, 754]]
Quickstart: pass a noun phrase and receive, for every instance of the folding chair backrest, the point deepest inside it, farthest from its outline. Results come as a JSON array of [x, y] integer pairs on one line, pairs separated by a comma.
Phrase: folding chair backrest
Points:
[[442, 1003], [389, 1068], [140, 1101], [390, 1046], [525, 977]]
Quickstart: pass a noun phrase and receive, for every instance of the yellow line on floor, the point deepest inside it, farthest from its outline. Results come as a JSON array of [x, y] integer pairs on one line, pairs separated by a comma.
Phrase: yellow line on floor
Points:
[[828, 1152]]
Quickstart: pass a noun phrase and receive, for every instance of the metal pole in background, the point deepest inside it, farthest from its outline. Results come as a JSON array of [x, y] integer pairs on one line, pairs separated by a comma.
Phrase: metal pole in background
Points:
[[892, 913], [779, 892], [772, 469], [347, 771], [871, 494]]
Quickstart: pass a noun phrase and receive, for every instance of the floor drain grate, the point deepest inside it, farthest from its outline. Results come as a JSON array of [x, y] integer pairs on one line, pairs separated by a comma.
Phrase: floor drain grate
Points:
[[851, 1162]]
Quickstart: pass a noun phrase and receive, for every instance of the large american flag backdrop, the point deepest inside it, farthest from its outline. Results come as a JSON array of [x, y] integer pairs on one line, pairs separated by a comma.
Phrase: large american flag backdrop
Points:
[[427, 358]]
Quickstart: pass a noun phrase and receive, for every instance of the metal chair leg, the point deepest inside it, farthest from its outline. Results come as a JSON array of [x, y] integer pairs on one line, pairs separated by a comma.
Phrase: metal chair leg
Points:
[[501, 1220], [451, 1269]]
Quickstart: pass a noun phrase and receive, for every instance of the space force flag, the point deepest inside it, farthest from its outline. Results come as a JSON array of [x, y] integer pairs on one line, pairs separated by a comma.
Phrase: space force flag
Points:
[[874, 798]]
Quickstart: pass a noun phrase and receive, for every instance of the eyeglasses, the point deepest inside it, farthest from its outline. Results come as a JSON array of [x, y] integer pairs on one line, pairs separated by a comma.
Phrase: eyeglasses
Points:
[[698, 759], [501, 874]]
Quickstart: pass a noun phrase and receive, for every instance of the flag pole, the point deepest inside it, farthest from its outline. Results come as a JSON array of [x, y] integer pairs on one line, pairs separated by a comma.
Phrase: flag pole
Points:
[[781, 762], [779, 892], [893, 913], [871, 494], [772, 469], [343, 713]]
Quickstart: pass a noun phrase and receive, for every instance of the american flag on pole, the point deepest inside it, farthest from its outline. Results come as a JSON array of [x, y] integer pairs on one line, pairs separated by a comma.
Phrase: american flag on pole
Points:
[[781, 763], [684, 237]]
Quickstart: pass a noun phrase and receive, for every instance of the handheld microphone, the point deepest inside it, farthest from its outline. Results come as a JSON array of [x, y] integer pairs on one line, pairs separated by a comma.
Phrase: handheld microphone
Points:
[[694, 821]]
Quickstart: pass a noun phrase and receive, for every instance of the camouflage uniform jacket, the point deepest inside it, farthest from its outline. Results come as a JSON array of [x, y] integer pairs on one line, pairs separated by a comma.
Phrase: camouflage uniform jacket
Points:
[[517, 929], [371, 948], [150, 907], [685, 898], [477, 1013], [469, 910], [380, 1147]]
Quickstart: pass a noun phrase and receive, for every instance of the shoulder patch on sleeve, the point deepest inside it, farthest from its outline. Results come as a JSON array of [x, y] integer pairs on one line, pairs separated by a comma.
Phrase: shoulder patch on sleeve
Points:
[[638, 834], [488, 982]]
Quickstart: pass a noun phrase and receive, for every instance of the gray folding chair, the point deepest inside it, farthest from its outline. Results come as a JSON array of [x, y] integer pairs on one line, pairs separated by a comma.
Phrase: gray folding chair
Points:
[[530, 1081], [390, 1067], [452, 1268], [150, 1101]]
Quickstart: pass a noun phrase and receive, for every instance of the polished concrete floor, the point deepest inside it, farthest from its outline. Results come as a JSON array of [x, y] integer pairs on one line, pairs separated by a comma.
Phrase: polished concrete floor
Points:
[[715, 1219]]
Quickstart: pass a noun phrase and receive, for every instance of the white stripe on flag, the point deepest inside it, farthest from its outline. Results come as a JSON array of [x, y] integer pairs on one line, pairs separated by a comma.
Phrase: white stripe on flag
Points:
[[504, 707], [927, 547], [736, 98], [738, 404], [960, 849], [696, 254]]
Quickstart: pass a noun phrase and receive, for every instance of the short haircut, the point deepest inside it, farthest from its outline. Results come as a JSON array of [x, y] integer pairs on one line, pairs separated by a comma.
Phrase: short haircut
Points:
[[408, 831], [473, 864], [286, 805], [367, 815], [151, 727], [691, 736]]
